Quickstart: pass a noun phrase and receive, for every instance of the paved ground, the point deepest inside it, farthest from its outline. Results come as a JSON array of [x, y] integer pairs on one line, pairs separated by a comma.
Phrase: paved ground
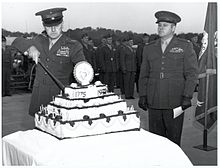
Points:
[[15, 118]]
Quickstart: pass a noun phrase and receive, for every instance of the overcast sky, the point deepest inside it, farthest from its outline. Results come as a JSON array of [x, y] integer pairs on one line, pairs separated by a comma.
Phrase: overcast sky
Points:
[[126, 16]]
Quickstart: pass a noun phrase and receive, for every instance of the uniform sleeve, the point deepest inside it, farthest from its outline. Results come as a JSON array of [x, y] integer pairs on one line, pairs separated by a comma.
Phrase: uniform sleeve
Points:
[[190, 71], [102, 59], [144, 74], [22, 44], [77, 53], [139, 53], [122, 59], [97, 59], [94, 61]]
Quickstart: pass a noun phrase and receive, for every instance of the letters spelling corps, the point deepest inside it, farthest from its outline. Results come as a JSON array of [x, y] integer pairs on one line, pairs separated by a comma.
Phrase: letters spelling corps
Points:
[[63, 52]]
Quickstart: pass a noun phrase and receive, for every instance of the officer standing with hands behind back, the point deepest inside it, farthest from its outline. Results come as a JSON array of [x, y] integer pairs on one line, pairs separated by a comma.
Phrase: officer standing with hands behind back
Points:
[[56, 51], [168, 78]]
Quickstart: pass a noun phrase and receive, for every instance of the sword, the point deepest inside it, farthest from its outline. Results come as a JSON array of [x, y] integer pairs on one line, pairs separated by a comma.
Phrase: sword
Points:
[[56, 81]]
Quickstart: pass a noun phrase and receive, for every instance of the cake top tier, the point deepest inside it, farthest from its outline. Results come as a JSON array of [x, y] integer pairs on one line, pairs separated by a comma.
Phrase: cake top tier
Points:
[[87, 91]]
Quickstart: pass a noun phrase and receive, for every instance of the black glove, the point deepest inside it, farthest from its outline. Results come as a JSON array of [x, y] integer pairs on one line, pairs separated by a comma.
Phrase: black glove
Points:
[[142, 103], [186, 102]]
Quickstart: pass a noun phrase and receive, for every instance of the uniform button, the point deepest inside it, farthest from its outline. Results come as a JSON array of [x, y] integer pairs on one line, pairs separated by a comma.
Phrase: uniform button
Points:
[[162, 62], [47, 66], [47, 59], [163, 57], [162, 68], [45, 73]]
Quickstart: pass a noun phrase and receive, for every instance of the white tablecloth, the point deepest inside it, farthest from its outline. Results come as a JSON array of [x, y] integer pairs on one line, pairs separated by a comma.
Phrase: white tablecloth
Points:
[[133, 149]]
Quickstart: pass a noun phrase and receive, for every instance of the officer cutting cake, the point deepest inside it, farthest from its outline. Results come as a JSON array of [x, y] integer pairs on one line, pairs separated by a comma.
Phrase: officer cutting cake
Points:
[[56, 51]]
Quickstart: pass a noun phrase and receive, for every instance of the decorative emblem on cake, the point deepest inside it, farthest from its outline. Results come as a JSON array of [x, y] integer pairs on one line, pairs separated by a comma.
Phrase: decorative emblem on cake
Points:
[[83, 72]]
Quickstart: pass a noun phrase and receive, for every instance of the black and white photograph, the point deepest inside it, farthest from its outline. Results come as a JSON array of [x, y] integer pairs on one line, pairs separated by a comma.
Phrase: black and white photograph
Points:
[[114, 84]]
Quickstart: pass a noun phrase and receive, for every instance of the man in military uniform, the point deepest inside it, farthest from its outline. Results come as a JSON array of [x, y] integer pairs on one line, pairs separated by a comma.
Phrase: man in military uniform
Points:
[[98, 58], [6, 68], [56, 51], [168, 78], [108, 62], [128, 67], [139, 53], [88, 53]]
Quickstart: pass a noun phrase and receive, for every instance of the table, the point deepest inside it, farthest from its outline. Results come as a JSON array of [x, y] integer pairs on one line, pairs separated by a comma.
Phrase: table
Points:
[[125, 149]]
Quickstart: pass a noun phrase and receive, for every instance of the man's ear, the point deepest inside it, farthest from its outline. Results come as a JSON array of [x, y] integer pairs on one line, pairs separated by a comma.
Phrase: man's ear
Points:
[[173, 27]]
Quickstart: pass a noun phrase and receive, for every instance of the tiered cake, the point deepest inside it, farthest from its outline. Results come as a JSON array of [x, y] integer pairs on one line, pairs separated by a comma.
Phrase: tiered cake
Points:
[[86, 110]]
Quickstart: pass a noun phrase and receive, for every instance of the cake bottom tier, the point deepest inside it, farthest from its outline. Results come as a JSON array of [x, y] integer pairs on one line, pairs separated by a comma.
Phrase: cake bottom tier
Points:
[[96, 126]]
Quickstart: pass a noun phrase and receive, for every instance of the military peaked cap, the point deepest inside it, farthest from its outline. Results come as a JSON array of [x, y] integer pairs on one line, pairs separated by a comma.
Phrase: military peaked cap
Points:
[[166, 16], [51, 17]]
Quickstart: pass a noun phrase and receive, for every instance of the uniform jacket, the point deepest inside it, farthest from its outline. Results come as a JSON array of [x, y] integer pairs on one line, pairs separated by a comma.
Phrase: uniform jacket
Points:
[[166, 77], [128, 59], [60, 60], [98, 57], [89, 54], [108, 59], [139, 53]]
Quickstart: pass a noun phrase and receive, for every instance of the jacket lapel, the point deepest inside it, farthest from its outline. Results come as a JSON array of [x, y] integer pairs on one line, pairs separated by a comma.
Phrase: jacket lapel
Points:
[[170, 45], [158, 46], [56, 46], [45, 45]]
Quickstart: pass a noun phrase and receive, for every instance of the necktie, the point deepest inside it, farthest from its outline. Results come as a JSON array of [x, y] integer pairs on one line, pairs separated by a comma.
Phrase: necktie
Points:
[[50, 45], [164, 45]]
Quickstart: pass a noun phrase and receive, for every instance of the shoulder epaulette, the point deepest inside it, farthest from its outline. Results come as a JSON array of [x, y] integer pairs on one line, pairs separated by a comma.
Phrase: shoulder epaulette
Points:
[[184, 40], [150, 43], [71, 41]]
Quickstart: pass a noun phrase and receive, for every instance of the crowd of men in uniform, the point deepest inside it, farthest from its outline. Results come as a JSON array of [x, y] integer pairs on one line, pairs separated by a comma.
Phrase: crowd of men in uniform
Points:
[[115, 63]]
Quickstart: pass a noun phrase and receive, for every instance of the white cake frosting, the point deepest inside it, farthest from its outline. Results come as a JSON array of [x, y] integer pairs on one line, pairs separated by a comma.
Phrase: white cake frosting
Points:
[[75, 91], [86, 110]]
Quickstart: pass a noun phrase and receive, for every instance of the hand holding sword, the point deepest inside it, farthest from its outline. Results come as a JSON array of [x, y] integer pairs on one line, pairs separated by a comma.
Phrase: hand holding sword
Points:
[[33, 53]]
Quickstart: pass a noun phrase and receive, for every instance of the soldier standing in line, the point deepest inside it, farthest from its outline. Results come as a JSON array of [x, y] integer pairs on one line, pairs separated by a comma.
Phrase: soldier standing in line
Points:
[[128, 67], [139, 53], [168, 78], [92, 52], [109, 64], [6, 68], [120, 73], [87, 50], [117, 46], [57, 52], [98, 58]]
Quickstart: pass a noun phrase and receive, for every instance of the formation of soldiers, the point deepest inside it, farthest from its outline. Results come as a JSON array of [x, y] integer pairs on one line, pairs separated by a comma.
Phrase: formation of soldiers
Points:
[[115, 64]]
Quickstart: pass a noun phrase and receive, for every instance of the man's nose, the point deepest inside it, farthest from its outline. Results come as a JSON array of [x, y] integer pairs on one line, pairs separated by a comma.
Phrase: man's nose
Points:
[[53, 28], [161, 27]]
